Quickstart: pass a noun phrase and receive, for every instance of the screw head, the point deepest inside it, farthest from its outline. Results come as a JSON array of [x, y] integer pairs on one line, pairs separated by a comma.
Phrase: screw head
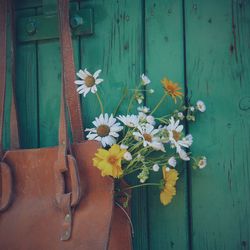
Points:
[[31, 27], [76, 21]]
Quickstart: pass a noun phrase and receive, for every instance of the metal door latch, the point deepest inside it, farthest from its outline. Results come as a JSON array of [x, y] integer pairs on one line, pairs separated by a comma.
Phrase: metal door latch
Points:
[[45, 26]]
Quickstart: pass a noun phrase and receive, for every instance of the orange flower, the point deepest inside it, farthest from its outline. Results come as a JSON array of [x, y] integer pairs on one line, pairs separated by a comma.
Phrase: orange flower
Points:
[[171, 89], [170, 177]]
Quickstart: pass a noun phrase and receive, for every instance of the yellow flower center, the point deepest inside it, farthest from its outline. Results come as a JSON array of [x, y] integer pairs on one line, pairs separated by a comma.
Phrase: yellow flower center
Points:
[[103, 130], [147, 137], [89, 81], [176, 135]]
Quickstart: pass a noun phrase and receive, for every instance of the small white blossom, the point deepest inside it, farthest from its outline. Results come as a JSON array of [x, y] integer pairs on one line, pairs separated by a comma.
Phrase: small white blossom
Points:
[[192, 108], [123, 146], [145, 80], [172, 161], [201, 106], [156, 167], [151, 91], [127, 156], [143, 109], [202, 162], [139, 100], [180, 115]]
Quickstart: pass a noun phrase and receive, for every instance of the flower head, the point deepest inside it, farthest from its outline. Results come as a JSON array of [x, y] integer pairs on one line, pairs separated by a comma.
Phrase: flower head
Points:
[[172, 161], [172, 89], [156, 167], [127, 156], [145, 80], [174, 130], [169, 177], [131, 121], [88, 81], [143, 109], [148, 134], [109, 161], [200, 105], [106, 130], [202, 162]]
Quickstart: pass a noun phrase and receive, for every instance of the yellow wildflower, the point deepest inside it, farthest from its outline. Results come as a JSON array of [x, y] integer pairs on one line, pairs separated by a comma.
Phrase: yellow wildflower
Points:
[[172, 89], [109, 161], [170, 177]]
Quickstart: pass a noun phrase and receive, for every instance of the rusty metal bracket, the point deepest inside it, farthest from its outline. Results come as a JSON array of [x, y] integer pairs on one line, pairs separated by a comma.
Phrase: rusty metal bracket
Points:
[[45, 26]]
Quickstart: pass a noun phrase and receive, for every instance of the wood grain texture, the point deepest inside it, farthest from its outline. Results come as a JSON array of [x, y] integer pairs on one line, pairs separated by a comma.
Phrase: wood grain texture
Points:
[[26, 89], [218, 61], [164, 58]]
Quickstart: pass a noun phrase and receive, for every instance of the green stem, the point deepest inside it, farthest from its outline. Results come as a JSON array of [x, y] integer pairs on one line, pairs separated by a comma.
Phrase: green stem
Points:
[[100, 102], [141, 185], [120, 102], [159, 103]]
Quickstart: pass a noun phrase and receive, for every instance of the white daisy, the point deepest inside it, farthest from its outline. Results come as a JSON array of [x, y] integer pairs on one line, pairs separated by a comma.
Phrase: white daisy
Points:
[[131, 121], [202, 162], [106, 130], [183, 154], [174, 130], [88, 82], [143, 109], [148, 134], [145, 80], [200, 105], [150, 119], [172, 161], [186, 141]]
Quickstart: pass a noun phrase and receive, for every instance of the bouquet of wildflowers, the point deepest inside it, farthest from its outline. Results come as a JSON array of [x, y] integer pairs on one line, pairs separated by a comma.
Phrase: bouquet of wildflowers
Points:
[[140, 142]]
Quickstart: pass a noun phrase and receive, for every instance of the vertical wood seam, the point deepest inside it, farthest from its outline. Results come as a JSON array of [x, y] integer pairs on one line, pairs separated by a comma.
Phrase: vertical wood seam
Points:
[[188, 167], [143, 22]]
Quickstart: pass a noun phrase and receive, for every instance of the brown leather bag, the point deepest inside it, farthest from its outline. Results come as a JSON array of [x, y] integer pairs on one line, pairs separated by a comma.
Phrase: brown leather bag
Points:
[[53, 198]]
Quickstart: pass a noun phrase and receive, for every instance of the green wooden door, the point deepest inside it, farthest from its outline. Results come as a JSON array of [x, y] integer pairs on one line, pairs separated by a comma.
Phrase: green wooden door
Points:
[[205, 45]]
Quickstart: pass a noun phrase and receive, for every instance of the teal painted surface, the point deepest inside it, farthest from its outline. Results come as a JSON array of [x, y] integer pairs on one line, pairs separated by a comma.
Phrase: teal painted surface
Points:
[[204, 45]]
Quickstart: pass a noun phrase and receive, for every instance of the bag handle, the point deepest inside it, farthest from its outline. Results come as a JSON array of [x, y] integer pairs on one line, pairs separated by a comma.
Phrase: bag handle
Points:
[[6, 176], [71, 95]]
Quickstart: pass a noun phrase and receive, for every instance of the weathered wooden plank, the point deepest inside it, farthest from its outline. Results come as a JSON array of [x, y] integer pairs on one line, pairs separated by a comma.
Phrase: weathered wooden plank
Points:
[[164, 58], [26, 90], [218, 60], [49, 80], [117, 49]]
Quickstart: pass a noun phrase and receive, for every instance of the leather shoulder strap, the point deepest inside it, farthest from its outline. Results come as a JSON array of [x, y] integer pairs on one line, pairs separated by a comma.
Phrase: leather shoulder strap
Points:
[[14, 140], [71, 95], [3, 29], [14, 133]]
